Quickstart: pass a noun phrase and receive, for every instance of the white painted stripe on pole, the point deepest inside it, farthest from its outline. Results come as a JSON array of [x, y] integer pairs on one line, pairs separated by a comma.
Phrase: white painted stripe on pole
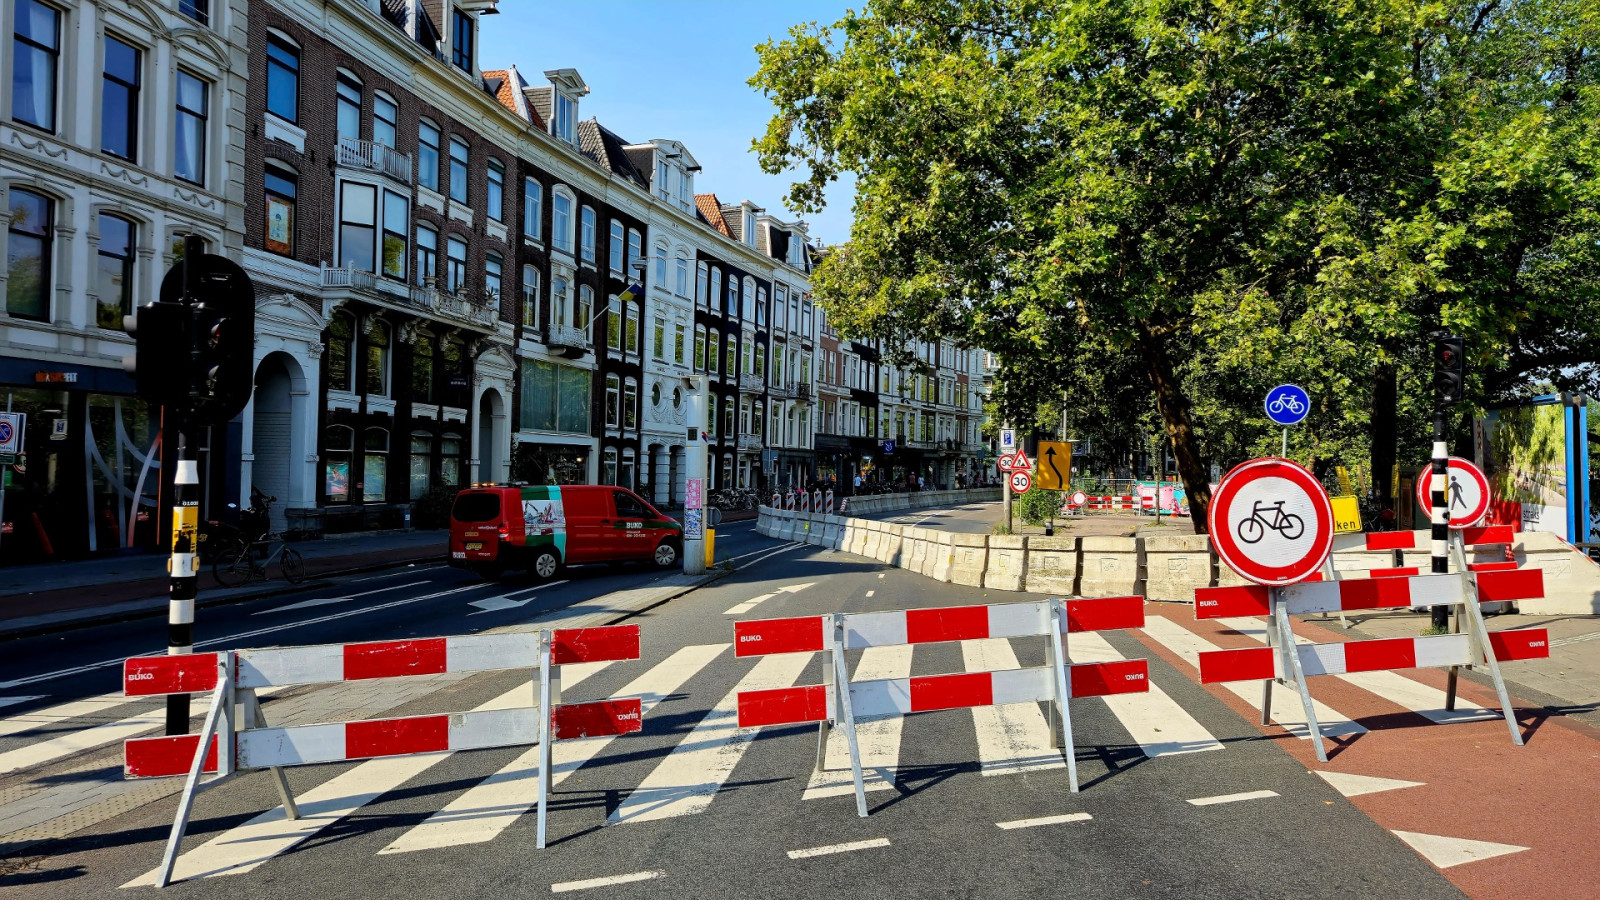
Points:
[[245, 847], [39, 753], [748, 605], [688, 779], [1019, 619], [874, 629], [184, 566], [1232, 798], [563, 887], [1287, 710], [1011, 739], [1152, 718], [1044, 820], [493, 804], [62, 712], [1441, 450], [188, 472], [831, 849], [877, 739]]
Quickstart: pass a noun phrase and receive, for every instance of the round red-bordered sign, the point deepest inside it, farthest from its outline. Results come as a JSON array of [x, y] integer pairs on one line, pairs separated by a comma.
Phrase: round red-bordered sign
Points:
[[1271, 522], [1467, 495], [1004, 463], [1079, 498], [1021, 481]]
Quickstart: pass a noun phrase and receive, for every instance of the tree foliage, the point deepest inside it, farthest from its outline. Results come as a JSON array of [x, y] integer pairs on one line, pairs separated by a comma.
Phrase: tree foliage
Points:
[[1181, 203]]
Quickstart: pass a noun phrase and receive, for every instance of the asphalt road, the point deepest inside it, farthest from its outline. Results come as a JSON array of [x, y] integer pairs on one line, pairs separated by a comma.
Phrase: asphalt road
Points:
[[694, 807]]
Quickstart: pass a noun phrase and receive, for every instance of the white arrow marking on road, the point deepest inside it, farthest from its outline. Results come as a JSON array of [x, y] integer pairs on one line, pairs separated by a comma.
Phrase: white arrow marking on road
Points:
[[1445, 852], [324, 601], [753, 602], [504, 601], [1356, 785], [796, 588]]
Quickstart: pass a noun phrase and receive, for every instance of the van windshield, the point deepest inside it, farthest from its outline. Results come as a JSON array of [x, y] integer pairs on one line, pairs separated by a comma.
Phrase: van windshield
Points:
[[478, 506]]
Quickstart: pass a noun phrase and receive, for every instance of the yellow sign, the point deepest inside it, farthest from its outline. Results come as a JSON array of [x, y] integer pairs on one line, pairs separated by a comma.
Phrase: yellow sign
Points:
[[1054, 466], [1346, 515], [1344, 479]]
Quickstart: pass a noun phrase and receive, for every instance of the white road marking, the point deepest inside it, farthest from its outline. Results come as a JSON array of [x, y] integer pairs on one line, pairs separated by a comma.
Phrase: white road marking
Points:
[[564, 886], [50, 715], [491, 806], [1407, 693], [324, 601], [1350, 785], [783, 549], [1232, 798], [42, 752], [1153, 719], [1287, 709], [1445, 852], [746, 606], [1014, 738], [1576, 639], [13, 701], [1045, 820], [245, 847], [877, 739], [880, 574], [790, 545], [686, 781], [870, 593], [838, 848], [409, 570]]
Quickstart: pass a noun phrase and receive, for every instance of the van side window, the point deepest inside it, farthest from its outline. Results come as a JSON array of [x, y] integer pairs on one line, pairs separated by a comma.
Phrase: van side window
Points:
[[629, 507]]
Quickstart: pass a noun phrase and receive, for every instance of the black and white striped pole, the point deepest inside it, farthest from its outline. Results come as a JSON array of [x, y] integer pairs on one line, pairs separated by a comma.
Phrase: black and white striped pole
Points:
[[1449, 372], [184, 569]]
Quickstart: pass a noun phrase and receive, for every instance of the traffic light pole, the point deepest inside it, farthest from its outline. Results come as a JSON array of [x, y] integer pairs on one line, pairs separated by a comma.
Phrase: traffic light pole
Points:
[[184, 569], [1439, 512]]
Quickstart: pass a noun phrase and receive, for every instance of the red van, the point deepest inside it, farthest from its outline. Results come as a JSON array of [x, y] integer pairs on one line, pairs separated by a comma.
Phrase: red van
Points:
[[542, 528]]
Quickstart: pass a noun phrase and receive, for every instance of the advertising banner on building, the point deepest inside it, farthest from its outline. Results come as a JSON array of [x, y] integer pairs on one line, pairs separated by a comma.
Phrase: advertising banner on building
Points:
[[1536, 457]]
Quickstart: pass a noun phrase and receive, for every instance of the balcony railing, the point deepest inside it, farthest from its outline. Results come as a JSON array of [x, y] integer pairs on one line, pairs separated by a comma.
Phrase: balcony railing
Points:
[[345, 277], [750, 442], [802, 392], [750, 383], [371, 156], [567, 336], [458, 307]]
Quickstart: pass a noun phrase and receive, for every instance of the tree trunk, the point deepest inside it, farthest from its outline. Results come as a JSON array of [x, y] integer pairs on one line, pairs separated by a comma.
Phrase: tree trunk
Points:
[[1173, 404], [1385, 416]]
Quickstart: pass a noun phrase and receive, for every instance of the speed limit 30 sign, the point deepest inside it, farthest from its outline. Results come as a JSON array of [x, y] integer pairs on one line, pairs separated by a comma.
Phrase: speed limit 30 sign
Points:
[[1021, 481], [1270, 521], [1466, 493]]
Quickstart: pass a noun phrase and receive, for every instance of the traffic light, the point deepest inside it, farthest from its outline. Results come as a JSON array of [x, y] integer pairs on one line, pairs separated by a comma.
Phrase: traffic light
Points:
[[222, 359], [1449, 370], [161, 333]]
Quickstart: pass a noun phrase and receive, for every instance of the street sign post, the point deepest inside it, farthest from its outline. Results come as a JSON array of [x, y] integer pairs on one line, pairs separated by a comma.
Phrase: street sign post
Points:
[[1287, 404], [1467, 494], [1021, 481], [1055, 465], [1271, 522], [1008, 440]]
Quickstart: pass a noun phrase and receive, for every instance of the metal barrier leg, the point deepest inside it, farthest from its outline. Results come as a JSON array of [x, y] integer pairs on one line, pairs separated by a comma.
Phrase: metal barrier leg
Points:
[[253, 713], [1058, 653], [841, 683], [220, 701], [825, 727], [1266, 686], [1292, 655], [1481, 648], [544, 733]]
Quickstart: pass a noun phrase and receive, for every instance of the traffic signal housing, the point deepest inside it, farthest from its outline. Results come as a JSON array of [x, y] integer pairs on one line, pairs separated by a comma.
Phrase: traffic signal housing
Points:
[[1449, 370], [162, 334], [221, 362]]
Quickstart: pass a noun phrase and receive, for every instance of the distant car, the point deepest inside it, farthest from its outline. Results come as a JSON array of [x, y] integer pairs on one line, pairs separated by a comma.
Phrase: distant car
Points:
[[507, 526]]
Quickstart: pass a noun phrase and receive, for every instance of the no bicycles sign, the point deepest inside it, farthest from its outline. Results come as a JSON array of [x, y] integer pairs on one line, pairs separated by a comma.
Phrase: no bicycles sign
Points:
[[1271, 522]]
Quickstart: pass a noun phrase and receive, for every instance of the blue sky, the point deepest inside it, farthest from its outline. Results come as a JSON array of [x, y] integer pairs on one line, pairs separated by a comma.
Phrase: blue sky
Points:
[[670, 69]]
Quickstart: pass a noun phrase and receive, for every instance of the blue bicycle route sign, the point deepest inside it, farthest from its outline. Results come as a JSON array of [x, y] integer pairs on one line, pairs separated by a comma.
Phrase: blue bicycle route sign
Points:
[[1287, 404]]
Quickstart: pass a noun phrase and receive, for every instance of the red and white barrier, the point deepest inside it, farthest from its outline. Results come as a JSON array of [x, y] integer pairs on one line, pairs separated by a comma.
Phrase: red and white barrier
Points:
[[1470, 644], [777, 501], [788, 501], [235, 675], [1113, 502], [805, 502], [827, 500], [840, 702]]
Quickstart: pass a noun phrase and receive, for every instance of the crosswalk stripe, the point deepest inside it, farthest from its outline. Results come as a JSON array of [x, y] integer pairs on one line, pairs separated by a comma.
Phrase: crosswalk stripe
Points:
[[13, 701], [1015, 738], [1153, 719], [244, 848], [491, 806], [877, 739], [686, 781], [1404, 692], [39, 753], [61, 712], [1287, 710]]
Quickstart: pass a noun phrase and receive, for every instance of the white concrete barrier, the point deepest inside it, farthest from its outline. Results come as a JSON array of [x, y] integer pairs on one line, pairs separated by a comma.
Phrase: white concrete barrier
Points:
[[889, 544], [1109, 566], [1052, 565], [940, 551], [969, 554], [1176, 564], [914, 549], [1571, 579], [1007, 565]]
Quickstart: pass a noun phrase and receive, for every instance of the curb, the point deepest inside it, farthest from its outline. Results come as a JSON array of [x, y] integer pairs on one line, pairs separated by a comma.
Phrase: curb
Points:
[[71, 622]]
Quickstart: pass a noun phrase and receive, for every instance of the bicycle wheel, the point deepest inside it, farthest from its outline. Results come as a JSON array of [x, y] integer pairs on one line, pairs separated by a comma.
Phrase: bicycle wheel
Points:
[[1292, 526], [232, 568], [1250, 530], [292, 566]]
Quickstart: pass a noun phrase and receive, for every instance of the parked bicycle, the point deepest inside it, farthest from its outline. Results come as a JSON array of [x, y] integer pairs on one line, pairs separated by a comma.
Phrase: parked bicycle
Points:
[[239, 565], [1264, 516]]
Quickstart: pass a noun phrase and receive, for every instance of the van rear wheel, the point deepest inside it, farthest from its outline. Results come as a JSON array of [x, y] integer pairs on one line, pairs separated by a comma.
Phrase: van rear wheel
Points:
[[666, 554], [546, 563]]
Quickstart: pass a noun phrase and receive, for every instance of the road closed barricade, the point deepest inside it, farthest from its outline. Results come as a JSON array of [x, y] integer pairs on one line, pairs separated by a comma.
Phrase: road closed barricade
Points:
[[235, 743], [840, 702]]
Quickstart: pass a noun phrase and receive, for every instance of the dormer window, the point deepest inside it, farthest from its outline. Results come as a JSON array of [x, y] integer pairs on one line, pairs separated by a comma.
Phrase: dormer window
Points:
[[565, 121], [461, 40], [749, 227]]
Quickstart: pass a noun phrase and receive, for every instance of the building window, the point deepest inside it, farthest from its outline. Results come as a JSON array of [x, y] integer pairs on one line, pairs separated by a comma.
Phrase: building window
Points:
[[375, 347], [555, 398], [626, 479], [727, 418], [658, 343], [614, 248], [375, 465], [614, 324], [678, 342], [427, 254], [749, 300], [716, 288], [428, 155], [494, 194], [635, 248], [760, 370], [189, 141], [711, 416], [450, 459], [565, 120], [492, 269], [119, 100], [36, 45], [422, 368], [682, 286], [347, 119], [28, 251], [699, 348], [584, 313], [458, 170], [385, 120], [421, 458], [338, 446], [630, 404], [761, 307], [731, 358], [357, 226], [780, 309], [461, 41], [530, 297], [712, 356], [701, 276], [587, 222], [198, 10], [114, 281], [396, 222], [532, 209], [634, 325], [561, 222], [455, 264], [341, 332], [661, 266], [613, 401], [279, 186]]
